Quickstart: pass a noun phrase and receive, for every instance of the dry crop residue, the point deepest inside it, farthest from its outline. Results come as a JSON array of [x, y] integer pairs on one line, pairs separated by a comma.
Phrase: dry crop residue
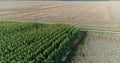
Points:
[[99, 48]]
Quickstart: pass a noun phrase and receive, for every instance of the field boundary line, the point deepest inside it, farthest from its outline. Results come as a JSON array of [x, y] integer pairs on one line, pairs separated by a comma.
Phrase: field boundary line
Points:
[[106, 30]]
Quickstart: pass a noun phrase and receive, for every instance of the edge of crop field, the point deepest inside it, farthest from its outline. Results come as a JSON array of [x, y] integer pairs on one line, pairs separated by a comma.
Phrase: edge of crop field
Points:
[[79, 41], [28, 21]]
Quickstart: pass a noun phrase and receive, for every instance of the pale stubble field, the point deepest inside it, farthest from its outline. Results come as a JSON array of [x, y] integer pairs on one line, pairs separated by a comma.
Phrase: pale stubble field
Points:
[[97, 14]]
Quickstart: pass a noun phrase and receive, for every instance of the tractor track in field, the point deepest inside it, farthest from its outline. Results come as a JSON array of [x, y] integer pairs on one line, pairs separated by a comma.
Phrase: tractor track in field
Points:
[[33, 10]]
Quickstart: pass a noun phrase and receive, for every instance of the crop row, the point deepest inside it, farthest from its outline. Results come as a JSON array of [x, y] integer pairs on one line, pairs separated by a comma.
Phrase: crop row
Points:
[[35, 42]]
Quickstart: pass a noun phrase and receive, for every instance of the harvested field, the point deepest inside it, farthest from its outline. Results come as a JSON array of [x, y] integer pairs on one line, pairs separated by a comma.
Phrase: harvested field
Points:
[[99, 47], [81, 14]]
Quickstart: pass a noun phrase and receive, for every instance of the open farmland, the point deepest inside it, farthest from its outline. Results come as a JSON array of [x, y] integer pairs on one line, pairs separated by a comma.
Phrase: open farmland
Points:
[[35, 43], [42, 42], [81, 14]]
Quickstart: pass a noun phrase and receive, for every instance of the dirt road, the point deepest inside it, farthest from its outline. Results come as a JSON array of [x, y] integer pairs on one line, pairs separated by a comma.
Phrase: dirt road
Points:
[[99, 48], [92, 14]]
